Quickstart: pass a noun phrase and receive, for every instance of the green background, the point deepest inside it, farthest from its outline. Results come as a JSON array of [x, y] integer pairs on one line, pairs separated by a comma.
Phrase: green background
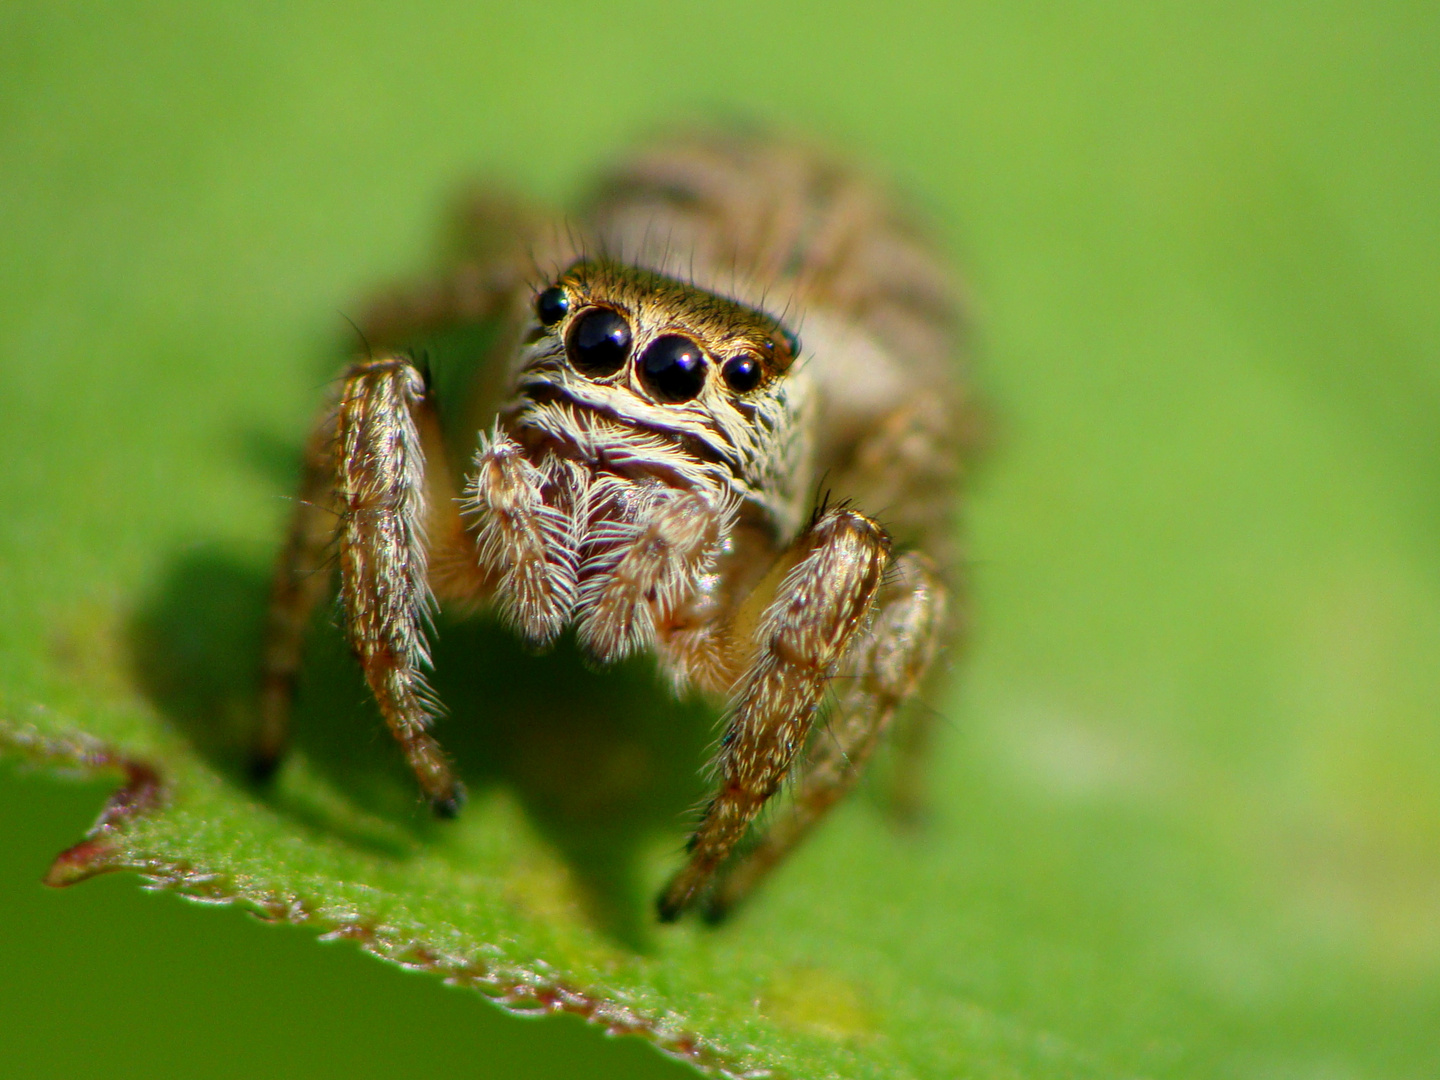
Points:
[[1188, 817]]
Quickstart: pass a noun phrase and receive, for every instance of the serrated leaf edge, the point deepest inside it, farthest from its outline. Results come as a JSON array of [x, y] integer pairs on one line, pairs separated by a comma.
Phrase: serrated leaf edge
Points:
[[516, 988]]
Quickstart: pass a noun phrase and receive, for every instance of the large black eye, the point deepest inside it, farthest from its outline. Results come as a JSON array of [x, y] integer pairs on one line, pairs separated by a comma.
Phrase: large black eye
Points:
[[600, 341], [742, 373], [673, 368], [551, 305]]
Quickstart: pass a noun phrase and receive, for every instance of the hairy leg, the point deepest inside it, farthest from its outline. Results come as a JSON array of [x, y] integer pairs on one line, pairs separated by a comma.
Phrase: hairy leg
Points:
[[907, 470], [818, 610], [481, 285], [906, 788], [489, 237], [380, 483], [303, 575], [305, 569], [885, 667]]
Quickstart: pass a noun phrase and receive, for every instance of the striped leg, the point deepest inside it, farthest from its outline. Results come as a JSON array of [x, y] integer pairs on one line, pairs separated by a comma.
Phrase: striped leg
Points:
[[820, 608], [380, 481], [888, 664]]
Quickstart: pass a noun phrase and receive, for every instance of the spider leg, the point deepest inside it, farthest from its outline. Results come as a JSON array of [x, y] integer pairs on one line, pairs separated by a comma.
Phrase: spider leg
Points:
[[380, 482], [819, 608], [909, 466], [357, 507], [303, 575], [490, 235], [906, 787], [477, 288], [886, 666]]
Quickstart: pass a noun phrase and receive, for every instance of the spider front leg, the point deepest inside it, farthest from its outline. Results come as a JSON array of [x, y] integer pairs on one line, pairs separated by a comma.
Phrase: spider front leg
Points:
[[885, 668], [380, 478], [819, 609], [365, 490], [383, 411]]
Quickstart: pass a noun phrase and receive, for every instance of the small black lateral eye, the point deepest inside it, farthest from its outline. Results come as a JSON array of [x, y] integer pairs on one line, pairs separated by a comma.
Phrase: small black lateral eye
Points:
[[599, 341], [551, 305], [742, 373], [791, 342], [673, 368]]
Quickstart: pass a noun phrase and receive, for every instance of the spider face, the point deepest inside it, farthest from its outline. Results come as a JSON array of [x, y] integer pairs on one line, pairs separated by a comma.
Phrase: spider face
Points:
[[620, 357]]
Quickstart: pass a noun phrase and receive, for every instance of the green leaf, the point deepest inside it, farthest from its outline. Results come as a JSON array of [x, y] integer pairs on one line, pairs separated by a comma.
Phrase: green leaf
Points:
[[1185, 815]]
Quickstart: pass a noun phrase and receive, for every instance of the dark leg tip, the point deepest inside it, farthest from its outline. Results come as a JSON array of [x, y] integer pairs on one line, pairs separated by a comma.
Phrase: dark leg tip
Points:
[[715, 912], [671, 903], [263, 765], [447, 807]]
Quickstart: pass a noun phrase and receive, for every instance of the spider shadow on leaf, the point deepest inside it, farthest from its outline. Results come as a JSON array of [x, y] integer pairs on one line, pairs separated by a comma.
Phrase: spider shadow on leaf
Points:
[[603, 762]]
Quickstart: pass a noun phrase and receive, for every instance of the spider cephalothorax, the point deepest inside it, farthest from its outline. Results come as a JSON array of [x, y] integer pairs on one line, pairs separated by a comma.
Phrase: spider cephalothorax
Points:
[[646, 471]]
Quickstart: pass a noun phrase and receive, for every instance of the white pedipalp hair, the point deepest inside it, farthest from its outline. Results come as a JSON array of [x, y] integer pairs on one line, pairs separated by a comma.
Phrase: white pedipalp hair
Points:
[[607, 524], [525, 536]]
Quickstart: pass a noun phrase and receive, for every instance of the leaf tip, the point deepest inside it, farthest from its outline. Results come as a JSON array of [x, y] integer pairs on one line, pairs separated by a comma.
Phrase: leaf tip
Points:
[[82, 862]]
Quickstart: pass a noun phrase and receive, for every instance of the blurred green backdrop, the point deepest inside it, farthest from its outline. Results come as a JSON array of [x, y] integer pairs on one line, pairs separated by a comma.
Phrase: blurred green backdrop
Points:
[[1192, 765]]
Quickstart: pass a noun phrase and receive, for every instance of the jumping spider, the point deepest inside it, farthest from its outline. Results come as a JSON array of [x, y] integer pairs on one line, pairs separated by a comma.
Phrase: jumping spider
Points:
[[661, 466]]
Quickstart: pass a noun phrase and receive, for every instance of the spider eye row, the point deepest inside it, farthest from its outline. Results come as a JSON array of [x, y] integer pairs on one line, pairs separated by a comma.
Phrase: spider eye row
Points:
[[672, 367]]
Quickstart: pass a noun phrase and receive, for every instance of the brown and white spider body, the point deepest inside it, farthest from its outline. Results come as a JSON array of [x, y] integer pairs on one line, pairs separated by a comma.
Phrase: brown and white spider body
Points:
[[652, 444]]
